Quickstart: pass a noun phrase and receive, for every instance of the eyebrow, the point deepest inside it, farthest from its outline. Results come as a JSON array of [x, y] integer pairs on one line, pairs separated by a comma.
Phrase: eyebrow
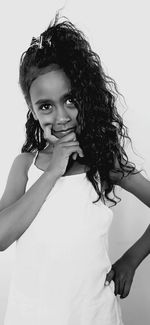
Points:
[[46, 101]]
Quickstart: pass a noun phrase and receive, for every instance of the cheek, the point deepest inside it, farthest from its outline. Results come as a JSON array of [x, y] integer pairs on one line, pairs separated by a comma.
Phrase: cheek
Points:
[[74, 115], [78, 127], [45, 120]]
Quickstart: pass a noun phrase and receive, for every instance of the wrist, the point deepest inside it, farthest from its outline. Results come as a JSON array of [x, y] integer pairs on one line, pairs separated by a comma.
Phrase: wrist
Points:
[[52, 173], [132, 259], [139, 250]]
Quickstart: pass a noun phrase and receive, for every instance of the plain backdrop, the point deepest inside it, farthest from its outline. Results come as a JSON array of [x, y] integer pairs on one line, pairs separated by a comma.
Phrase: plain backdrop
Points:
[[119, 32]]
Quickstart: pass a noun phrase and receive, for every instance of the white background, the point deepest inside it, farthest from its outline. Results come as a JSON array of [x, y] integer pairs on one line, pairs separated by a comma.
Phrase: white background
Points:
[[119, 32]]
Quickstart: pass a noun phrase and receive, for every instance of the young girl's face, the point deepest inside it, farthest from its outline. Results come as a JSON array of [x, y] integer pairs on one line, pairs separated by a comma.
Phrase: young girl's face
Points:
[[52, 104]]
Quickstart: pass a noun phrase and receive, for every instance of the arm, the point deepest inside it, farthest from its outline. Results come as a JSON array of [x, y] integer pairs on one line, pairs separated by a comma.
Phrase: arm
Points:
[[139, 186], [136, 184], [123, 270], [139, 250], [17, 208]]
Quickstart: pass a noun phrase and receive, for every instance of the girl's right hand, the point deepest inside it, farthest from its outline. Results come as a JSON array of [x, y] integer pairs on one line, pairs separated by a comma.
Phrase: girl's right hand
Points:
[[62, 150]]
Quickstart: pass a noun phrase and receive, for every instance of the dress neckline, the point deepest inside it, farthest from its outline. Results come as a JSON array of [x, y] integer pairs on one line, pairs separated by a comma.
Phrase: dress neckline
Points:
[[41, 170]]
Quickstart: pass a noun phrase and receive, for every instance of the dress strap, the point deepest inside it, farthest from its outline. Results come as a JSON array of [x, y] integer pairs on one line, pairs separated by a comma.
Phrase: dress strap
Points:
[[34, 159]]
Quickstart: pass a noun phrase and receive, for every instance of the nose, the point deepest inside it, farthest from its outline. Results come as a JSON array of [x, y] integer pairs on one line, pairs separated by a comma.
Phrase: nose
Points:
[[62, 117]]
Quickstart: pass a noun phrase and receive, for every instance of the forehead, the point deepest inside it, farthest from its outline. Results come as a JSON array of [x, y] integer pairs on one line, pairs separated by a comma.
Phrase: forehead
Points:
[[52, 83]]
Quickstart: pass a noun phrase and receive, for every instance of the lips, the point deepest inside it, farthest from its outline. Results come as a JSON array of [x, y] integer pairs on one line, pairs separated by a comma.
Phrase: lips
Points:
[[63, 132]]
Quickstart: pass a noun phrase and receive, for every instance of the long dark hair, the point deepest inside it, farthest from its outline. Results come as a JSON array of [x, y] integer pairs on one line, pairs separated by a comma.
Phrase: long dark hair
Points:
[[103, 133]]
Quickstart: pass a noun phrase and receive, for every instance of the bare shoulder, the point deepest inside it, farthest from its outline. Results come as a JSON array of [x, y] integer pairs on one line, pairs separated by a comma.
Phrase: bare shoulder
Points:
[[23, 161], [135, 183], [17, 179], [21, 164]]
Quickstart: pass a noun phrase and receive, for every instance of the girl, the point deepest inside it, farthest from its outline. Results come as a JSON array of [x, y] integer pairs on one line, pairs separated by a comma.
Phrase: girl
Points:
[[55, 202]]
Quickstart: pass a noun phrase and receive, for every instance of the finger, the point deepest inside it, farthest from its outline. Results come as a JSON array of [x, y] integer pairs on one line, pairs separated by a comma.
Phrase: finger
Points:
[[121, 286], [74, 144], [74, 156], [109, 277], [116, 291], [68, 137], [70, 144], [126, 289], [49, 136], [81, 154], [69, 150], [78, 152]]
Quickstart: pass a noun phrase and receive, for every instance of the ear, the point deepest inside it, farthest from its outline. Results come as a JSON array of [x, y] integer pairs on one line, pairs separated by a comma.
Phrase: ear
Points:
[[33, 113]]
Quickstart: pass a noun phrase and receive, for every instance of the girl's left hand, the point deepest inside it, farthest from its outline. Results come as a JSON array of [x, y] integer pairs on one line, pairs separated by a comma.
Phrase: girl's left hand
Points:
[[122, 273]]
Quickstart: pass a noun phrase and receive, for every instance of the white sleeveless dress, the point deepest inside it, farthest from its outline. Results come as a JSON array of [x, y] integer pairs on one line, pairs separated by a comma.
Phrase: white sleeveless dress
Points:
[[61, 260]]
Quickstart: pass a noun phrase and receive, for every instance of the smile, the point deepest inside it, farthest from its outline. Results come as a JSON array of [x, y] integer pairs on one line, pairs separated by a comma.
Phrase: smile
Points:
[[63, 132]]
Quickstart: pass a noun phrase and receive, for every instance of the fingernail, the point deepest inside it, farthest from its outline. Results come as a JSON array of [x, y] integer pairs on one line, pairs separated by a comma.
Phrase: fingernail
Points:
[[106, 283]]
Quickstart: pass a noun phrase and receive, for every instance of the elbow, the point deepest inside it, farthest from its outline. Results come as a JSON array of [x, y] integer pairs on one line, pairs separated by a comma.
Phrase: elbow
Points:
[[2, 248], [148, 230], [3, 245]]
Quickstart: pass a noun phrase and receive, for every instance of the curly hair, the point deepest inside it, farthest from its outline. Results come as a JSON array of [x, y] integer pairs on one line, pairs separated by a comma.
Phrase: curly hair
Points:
[[103, 133]]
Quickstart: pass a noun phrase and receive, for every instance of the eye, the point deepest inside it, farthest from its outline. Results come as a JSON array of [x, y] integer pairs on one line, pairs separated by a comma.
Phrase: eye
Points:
[[70, 101], [45, 107]]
